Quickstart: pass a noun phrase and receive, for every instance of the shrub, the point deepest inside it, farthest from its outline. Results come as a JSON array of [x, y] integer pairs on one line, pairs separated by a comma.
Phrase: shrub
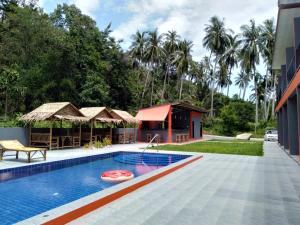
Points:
[[106, 141]]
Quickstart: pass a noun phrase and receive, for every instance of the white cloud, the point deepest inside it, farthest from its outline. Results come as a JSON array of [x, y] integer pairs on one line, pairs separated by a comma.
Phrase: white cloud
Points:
[[88, 7], [188, 17]]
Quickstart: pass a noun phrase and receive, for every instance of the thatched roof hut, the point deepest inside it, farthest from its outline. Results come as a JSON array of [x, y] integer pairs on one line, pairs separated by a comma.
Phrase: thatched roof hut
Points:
[[124, 116], [100, 114], [55, 111]]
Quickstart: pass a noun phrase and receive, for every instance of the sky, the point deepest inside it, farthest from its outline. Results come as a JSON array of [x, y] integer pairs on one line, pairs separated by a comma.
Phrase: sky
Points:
[[187, 17]]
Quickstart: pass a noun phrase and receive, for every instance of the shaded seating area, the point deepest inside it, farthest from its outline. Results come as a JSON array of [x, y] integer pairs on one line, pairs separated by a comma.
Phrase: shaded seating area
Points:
[[98, 115], [16, 146], [53, 138], [61, 125], [125, 135], [172, 122]]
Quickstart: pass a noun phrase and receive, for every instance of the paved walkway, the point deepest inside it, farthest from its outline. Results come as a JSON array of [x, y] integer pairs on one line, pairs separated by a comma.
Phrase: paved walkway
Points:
[[219, 189], [10, 160]]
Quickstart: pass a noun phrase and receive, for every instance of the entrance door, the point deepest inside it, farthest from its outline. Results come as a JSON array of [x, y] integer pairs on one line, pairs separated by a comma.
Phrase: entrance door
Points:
[[193, 129]]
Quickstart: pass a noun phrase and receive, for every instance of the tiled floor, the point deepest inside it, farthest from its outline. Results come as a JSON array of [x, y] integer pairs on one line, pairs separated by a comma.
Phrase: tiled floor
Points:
[[11, 161], [220, 189], [217, 190]]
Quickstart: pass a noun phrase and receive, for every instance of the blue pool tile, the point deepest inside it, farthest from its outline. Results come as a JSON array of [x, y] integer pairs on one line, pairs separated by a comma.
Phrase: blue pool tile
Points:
[[30, 190]]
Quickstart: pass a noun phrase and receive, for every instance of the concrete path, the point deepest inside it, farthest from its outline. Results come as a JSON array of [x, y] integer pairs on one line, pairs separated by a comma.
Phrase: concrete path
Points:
[[9, 160], [219, 189]]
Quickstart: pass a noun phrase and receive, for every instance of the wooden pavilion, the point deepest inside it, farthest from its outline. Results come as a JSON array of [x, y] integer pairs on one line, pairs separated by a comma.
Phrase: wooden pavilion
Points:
[[53, 112], [127, 119], [98, 115]]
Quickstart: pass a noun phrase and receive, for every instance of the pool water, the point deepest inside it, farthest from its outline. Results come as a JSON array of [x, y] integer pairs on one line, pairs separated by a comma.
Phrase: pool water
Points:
[[26, 193]]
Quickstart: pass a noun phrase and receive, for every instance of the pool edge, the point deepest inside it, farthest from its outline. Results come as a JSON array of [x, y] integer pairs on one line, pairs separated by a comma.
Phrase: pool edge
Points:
[[85, 209]]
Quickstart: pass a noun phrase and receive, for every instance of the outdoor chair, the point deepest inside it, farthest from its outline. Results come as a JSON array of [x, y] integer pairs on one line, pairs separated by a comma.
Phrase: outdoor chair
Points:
[[15, 145]]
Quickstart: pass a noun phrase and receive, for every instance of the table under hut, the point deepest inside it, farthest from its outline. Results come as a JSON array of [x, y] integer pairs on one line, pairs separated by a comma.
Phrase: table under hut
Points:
[[96, 116], [128, 121], [51, 133]]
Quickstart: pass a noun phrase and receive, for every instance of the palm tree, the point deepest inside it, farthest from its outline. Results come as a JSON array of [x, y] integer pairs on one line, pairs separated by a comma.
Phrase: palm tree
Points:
[[267, 43], [242, 81], [183, 60], [137, 48], [230, 56], [171, 45], [154, 54], [222, 75], [215, 40], [137, 52], [250, 55]]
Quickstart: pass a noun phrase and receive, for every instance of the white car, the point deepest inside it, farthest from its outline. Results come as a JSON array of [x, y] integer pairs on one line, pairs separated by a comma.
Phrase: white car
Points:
[[271, 135]]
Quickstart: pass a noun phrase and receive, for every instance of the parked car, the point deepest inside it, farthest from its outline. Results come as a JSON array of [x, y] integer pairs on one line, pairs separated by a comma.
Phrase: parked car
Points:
[[271, 135]]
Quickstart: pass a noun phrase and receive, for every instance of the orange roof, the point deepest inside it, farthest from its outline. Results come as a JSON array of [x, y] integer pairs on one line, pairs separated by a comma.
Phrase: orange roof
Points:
[[156, 113]]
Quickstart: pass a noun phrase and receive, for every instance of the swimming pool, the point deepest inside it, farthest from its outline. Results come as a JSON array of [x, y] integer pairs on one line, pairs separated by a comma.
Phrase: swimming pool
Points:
[[30, 190]]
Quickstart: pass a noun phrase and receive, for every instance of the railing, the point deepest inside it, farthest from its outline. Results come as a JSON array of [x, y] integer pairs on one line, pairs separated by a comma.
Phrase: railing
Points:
[[151, 142]]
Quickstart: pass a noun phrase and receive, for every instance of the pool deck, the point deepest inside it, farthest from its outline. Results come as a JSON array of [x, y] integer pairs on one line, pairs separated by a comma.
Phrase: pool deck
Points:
[[10, 160], [218, 189]]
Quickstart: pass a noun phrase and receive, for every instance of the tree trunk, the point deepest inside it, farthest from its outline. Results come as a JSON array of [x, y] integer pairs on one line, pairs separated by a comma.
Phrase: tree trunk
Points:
[[229, 80], [265, 97], [151, 97], [212, 91], [6, 105], [245, 89], [256, 104], [240, 93], [212, 101], [181, 85], [144, 89], [165, 80]]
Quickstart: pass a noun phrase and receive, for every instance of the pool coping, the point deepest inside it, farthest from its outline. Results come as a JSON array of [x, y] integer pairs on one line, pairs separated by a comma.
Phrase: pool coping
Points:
[[80, 207]]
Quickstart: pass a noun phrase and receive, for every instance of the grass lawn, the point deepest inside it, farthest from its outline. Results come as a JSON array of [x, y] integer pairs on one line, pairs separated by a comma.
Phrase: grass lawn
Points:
[[224, 147]]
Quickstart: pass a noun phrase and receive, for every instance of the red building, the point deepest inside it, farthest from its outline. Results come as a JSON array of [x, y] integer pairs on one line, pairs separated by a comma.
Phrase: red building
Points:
[[173, 122]]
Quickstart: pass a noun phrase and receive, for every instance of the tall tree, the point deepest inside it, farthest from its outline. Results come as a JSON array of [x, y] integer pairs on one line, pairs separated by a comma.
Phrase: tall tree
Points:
[[170, 46], [267, 43], [154, 54], [242, 81], [183, 60], [216, 40], [250, 55], [137, 52], [230, 56]]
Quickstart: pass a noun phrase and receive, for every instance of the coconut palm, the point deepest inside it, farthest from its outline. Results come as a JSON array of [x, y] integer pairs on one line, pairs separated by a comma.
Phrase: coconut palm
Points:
[[216, 40], [267, 43], [242, 81], [183, 60], [250, 55], [171, 45], [137, 52], [222, 75], [137, 48], [154, 54], [230, 56]]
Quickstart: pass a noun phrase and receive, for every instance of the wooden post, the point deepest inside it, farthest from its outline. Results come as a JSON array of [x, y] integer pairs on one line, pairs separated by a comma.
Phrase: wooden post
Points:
[[91, 137], [170, 126], [110, 131], [124, 133], [50, 143], [29, 134], [80, 134]]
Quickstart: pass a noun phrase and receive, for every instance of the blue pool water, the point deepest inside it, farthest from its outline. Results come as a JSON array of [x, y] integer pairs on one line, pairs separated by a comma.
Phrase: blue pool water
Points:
[[31, 190]]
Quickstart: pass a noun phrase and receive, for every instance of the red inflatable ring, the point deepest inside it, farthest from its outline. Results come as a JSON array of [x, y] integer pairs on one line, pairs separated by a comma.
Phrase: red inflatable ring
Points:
[[117, 175]]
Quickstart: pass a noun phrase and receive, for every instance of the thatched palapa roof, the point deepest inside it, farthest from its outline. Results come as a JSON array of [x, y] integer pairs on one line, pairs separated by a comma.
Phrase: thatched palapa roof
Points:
[[55, 111], [125, 116], [100, 114]]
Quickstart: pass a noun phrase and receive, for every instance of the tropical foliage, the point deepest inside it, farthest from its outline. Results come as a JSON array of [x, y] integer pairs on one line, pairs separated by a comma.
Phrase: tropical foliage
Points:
[[63, 56]]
